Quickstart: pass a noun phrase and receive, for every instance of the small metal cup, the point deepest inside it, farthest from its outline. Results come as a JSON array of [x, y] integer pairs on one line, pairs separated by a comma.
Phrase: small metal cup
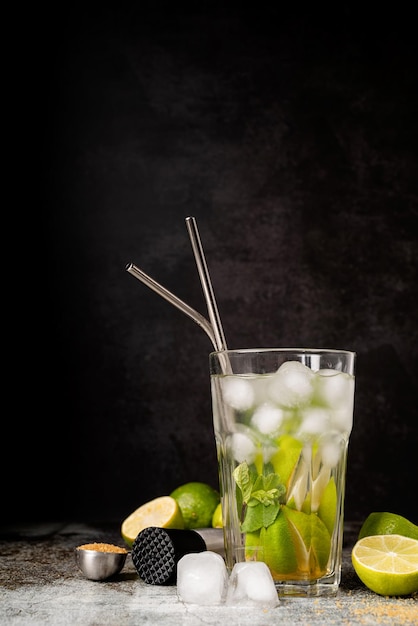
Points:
[[97, 565]]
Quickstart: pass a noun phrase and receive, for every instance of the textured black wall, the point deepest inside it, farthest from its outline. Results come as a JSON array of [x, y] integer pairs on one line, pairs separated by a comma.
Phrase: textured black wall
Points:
[[292, 138]]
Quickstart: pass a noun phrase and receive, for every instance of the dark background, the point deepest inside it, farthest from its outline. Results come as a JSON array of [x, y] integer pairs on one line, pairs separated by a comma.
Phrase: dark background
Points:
[[291, 136]]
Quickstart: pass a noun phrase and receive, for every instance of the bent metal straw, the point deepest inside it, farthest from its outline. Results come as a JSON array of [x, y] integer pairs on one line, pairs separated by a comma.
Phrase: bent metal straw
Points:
[[170, 297], [213, 328]]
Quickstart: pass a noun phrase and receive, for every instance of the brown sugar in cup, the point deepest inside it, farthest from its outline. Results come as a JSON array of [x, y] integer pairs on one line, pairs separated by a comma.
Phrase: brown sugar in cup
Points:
[[99, 561]]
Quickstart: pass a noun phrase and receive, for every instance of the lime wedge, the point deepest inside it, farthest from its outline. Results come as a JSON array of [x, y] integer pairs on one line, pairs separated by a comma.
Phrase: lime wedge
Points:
[[273, 545], [286, 458], [311, 539], [328, 505]]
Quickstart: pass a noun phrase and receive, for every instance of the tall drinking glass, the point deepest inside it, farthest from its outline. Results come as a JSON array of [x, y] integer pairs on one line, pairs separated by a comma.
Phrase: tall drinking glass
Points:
[[282, 420]]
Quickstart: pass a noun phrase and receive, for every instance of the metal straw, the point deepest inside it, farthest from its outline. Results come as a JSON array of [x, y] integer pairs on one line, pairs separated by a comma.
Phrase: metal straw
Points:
[[220, 343], [165, 293]]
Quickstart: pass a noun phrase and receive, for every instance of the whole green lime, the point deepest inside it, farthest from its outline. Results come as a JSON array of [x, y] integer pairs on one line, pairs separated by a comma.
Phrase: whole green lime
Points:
[[197, 502], [383, 523]]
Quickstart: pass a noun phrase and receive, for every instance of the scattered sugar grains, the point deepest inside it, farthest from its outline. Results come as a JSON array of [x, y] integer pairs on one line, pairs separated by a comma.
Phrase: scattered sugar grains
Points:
[[102, 547], [404, 611]]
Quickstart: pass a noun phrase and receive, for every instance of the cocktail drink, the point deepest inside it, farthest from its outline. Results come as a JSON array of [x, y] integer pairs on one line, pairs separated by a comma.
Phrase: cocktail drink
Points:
[[282, 420]]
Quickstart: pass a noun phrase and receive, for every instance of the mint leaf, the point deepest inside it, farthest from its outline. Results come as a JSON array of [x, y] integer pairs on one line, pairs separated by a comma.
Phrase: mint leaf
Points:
[[258, 516], [253, 519], [243, 479], [269, 514], [261, 497], [265, 497], [267, 489]]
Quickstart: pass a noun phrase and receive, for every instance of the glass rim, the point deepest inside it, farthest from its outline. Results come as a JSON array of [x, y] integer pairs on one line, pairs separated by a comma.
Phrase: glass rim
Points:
[[284, 350]]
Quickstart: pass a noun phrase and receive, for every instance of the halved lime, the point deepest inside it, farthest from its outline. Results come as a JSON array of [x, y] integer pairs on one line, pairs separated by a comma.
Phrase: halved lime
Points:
[[163, 512], [387, 564]]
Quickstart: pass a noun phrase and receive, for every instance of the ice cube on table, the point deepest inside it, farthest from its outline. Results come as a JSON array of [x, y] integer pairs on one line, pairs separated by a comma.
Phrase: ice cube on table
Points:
[[292, 385], [251, 584], [267, 418], [202, 578], [237, 393]]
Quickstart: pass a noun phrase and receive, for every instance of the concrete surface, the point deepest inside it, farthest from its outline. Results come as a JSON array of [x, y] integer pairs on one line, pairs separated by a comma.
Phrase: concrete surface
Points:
[[41, 584]]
